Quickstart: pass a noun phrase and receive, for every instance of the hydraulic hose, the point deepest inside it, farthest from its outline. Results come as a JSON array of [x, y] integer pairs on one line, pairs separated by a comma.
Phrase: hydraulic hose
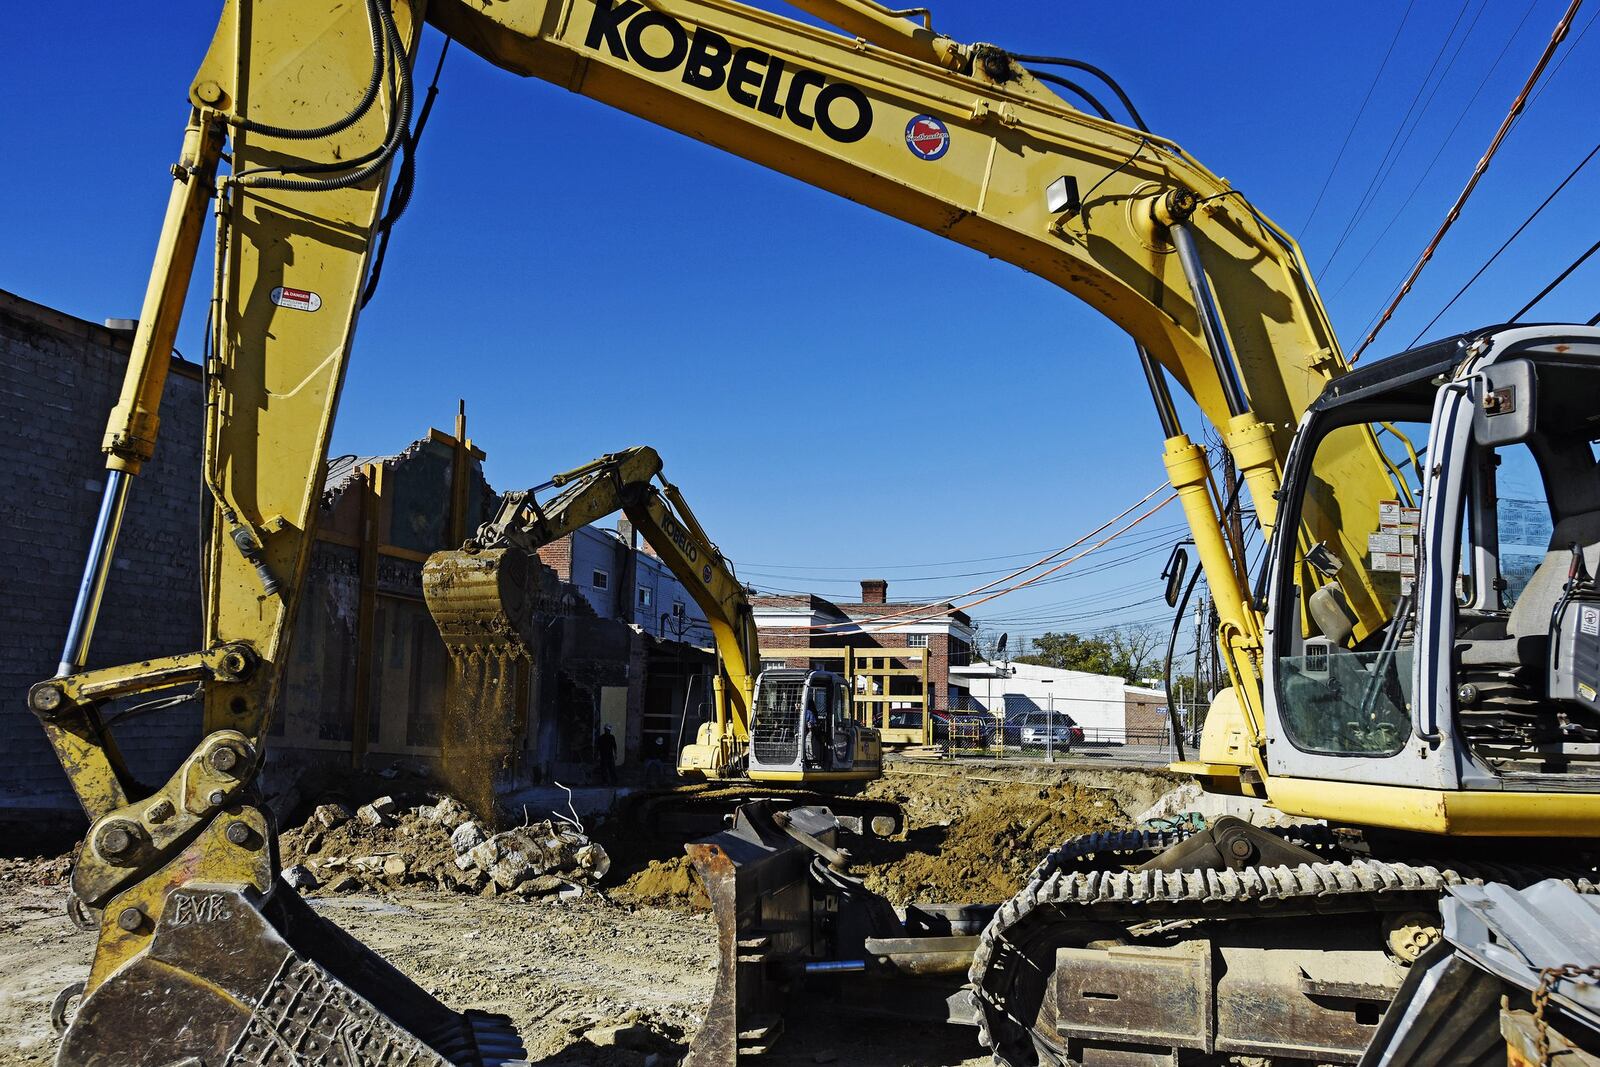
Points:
[[1177, 624], [375, 160], [1072, 86], [375, 25], [1089, 68]]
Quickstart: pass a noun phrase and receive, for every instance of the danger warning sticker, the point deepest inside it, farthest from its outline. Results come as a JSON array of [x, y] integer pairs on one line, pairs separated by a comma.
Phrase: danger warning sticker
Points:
[[297, 299], [927, 137]]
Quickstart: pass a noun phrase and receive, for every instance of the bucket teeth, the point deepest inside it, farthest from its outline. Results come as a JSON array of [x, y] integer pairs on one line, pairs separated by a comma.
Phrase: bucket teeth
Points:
[[238, 980]]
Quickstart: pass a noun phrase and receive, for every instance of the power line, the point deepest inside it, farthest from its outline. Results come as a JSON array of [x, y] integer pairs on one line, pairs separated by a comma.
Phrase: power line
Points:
[[1557, 280], [1161, 534], [1362, 110], [1573, 173], [894, 566], [1379, 172], [1439, 152], [1517, 105]]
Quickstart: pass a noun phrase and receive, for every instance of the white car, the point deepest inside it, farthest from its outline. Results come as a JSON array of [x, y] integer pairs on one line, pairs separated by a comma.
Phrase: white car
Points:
[[1052, 731]]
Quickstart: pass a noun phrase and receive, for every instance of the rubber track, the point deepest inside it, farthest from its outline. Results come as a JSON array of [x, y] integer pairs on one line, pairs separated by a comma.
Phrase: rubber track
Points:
[[1059, 895]]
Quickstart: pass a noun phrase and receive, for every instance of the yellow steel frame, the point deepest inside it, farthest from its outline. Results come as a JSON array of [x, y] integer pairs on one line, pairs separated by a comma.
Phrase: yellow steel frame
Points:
[[872, 665]]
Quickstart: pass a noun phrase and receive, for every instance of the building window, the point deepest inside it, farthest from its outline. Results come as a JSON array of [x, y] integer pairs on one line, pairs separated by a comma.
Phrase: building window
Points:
[[600, 579], [644, 597], [677, 609], [916, 640]]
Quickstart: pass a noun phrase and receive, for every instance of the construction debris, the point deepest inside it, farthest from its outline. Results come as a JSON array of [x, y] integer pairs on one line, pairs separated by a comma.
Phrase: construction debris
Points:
[[385, 844]]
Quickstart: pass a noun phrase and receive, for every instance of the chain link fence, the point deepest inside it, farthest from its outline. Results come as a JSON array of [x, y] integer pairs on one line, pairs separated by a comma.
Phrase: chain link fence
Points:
[[1047, 735]]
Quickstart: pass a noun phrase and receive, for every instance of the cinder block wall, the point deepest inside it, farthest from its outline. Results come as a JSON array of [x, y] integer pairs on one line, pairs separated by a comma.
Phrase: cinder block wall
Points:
[[59, 377]]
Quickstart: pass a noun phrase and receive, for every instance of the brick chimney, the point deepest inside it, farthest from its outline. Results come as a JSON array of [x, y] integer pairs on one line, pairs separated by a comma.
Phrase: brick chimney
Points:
[[874, 591]]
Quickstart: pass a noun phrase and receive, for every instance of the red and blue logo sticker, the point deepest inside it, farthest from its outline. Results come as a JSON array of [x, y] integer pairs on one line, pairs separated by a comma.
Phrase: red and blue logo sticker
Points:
[[927, 137]]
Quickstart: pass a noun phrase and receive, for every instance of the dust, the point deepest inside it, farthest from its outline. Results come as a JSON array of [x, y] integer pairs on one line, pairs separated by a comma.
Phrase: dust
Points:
[[486, 690]]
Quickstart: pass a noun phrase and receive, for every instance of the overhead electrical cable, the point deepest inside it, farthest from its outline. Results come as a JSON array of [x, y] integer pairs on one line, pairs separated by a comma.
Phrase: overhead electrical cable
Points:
[[1396, 146], [1454, 213], [914, 608], [1416, 186], [1362, 110], [1554, 282], [1573, 173]]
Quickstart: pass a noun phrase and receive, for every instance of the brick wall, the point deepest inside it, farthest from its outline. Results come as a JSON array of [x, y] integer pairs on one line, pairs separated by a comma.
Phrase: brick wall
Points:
[[59, 377], [1143, 719], [557, 555]]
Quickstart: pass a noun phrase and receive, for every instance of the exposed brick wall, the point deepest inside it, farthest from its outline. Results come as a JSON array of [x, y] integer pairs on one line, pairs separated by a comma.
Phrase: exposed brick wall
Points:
[[1142, 719], [59, 377], [557, 555]]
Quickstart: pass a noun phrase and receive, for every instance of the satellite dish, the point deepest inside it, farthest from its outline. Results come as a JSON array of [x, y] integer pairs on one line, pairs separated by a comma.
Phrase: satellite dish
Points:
[[1000, 649]]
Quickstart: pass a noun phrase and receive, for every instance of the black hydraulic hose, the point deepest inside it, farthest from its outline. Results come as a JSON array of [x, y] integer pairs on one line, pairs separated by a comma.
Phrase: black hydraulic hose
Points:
[[399, 130], [375, 24], [1174, 716], [405, 182], [1089, 68], [1072, 86]]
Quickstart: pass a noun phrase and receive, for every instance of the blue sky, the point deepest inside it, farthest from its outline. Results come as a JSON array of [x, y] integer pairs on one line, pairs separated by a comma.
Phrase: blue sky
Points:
[[840, 395]]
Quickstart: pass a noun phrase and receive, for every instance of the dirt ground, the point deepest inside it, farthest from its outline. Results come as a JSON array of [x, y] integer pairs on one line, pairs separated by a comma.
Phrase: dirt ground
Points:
[[640, 952]]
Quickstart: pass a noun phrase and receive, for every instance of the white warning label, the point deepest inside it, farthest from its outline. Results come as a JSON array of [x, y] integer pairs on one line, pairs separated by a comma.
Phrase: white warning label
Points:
[[296, 299], [1589, 621]]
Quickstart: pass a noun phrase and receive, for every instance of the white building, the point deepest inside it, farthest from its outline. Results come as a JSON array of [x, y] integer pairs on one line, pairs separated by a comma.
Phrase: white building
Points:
[[1109, 710]]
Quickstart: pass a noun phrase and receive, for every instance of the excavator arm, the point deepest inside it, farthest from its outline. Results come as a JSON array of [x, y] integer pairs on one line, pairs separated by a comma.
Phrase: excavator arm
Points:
[[299, 116], [481, 594]]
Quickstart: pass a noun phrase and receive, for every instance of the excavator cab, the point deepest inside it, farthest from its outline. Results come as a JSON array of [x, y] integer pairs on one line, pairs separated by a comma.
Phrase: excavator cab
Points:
[[1450, 642], [802, 727]]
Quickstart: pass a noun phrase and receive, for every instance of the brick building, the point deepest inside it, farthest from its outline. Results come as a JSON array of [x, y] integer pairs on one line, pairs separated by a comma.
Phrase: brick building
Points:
[[59, 378], [808, 620]]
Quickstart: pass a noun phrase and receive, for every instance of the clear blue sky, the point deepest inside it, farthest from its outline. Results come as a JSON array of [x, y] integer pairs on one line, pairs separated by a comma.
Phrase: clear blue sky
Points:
[[839, 394]]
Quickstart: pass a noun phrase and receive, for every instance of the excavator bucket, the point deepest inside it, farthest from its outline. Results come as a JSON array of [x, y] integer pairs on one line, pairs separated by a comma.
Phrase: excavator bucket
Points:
[[484, 603], [796, 930], [233, 977]]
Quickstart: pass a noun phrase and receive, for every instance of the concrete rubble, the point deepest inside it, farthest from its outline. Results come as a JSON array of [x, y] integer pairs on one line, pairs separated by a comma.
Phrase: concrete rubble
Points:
[[388, 842]]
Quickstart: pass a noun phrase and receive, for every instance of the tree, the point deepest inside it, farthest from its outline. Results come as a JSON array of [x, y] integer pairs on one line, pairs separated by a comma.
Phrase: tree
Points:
[[1070, 652], [1128, 652], [1138, 650]]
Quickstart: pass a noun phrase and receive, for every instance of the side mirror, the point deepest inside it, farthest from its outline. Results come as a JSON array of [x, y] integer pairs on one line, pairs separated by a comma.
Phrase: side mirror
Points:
[[1174, 572], [1505, 403]]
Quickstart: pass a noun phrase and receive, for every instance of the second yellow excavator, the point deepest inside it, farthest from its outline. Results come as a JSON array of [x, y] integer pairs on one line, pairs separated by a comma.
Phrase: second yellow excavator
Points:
[[789, 730]]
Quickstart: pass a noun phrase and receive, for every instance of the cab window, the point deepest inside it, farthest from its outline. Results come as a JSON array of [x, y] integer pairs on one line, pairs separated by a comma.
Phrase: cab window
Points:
[[1344, 675]]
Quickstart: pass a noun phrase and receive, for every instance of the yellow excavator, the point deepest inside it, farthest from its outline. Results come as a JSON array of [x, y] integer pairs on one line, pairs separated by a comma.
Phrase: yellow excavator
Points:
[[1414, 666], [790, 730]]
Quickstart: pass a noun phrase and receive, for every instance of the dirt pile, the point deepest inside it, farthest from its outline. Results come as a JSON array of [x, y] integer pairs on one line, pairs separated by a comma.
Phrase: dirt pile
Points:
[[664, 882], [971, 840], [437, 844]]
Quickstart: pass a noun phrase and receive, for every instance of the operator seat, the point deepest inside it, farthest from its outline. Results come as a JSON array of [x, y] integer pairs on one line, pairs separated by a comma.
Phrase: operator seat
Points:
[[1527, 640]]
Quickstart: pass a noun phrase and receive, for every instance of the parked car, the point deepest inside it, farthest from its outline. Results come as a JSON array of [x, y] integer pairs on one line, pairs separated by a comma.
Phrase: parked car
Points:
[[1042, 729], [971, 728]]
